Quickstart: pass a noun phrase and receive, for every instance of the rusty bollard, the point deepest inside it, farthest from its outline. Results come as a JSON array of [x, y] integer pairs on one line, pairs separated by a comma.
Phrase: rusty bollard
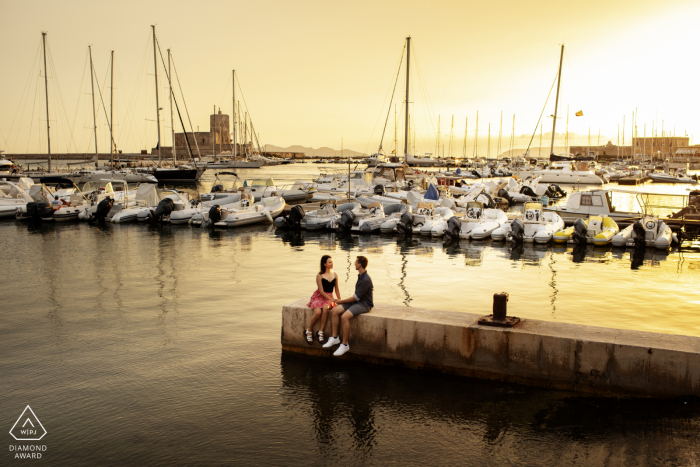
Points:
[[500, 316], [500, 306]]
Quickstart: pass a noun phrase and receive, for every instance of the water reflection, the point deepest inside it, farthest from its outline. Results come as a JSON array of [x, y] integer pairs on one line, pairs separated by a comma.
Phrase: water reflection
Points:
[[372, 408]]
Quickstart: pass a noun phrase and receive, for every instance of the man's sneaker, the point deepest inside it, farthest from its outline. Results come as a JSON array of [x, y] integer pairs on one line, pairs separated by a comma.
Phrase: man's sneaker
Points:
[[341, 350], [331, 342]]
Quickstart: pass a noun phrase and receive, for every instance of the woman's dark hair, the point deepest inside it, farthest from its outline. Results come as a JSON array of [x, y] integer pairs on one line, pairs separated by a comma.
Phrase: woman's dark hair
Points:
[[324, 258]]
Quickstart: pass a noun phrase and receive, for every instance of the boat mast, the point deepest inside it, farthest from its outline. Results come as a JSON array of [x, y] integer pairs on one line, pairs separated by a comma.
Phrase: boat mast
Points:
[[172, 123], [213, 143], [464, 148], [408, 63], [556, 102], [155, 70], [112, 147], [234, 115], [476, 134], [92, 82], [46, 88]]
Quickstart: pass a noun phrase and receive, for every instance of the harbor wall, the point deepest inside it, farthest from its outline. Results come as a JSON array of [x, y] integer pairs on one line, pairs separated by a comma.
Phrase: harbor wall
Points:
[[536, 353]]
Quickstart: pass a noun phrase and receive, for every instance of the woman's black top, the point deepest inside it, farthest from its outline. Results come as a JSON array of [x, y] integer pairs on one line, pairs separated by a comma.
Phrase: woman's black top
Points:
[[328, 286]]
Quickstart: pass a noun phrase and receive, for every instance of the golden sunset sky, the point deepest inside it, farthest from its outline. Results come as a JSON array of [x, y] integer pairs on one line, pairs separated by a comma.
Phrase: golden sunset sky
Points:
[[315, 72]]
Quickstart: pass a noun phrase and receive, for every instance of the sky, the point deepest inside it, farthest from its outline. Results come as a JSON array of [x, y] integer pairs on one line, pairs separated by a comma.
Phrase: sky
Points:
[[319, 73]]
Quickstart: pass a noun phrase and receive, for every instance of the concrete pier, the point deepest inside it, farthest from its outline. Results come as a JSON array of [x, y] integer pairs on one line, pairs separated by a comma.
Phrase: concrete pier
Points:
[[536, 353]]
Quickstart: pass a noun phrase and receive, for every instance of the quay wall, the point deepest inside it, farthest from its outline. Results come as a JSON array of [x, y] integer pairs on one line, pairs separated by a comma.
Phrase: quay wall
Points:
[[536, 353]]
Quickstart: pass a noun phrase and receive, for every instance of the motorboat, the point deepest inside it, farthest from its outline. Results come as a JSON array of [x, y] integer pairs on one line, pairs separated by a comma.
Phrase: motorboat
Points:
[[169, 201], [375, 160], [147, 196], [96, 191], [569, 172], [648, 231], [598, 230], [218, 190], [536, 226], [378, 218], [480, 222], [299, 191], [666, 177], [423, 161], [326, 213], [14, 196], [580, 205], [243, 212], [183, 216], [429, 217], [260, 188]]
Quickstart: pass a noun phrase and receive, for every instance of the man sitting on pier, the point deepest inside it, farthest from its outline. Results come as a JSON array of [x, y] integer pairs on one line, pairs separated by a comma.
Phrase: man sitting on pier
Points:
[[348, 308]]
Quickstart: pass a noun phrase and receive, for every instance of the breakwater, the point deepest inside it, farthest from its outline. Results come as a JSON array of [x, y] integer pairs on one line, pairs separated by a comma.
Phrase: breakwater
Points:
[[536, 353]]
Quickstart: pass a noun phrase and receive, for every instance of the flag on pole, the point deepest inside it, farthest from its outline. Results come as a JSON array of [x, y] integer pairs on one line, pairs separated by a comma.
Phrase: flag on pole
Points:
[[579, 113]]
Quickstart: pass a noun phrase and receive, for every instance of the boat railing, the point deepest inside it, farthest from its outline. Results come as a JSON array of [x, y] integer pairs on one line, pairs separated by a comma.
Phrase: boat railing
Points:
[[661, 205]]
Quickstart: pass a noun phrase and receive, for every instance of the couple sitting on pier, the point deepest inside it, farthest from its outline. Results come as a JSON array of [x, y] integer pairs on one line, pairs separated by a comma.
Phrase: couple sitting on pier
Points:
[[342, 309]]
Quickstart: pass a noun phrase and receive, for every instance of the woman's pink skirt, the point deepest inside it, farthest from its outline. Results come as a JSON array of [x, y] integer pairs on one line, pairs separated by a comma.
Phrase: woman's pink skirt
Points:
[[318, 300]]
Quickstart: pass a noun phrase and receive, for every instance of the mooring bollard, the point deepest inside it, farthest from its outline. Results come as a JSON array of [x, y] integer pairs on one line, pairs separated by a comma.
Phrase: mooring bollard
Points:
[[500, 306], [500, 311]]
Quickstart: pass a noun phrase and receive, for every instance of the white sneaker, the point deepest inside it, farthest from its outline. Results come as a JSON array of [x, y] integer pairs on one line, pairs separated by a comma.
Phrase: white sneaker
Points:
[[331, 342], [341, 350]]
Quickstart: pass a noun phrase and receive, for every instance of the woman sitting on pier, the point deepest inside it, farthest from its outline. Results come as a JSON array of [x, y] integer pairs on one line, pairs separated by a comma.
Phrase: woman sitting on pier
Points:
[[322, 299]]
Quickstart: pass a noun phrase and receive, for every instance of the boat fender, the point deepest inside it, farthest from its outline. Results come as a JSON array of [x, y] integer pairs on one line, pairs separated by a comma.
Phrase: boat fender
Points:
[[268, 215], [674, 238], [579, 233]]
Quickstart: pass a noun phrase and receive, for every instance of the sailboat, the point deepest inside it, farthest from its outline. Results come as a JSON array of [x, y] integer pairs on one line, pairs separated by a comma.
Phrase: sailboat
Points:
[[177, 174]]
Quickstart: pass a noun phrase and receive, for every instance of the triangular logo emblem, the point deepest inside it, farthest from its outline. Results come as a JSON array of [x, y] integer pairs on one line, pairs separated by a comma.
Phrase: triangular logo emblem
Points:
[[28, 427]]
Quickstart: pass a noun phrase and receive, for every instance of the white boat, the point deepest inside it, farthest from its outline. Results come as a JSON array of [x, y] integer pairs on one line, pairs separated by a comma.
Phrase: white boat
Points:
[[580, 205], [299, 191], [260, 188], [598, 230], [183, 216], [430, 218], [377, 217], [666, 177], [568, 172], [479, 223], [169, 201], [536, 226], [243, 212], [648, 231], [322, 217], [424, 161], [14, 196]]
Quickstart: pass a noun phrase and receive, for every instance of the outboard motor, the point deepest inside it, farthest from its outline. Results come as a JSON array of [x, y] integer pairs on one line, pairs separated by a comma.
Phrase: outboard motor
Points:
[[379, 190], [558, 190], [194, 203], [405, 225], [579, 234], [517, 231], [345, 221], [164, 208], [43, 211], [487, 200], [293, 220], [476, 174], [640, 234], [32, 211], [217, 189], [452, 230], [526, 190], [103, 208], [551, 192], [503, 193], [214, 214]]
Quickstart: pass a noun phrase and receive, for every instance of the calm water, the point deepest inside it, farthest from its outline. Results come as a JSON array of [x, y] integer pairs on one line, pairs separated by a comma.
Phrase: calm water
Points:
[[161, 345]]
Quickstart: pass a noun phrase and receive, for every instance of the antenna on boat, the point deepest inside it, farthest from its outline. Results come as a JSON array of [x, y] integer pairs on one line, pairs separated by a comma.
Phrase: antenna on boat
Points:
[[556, 102]]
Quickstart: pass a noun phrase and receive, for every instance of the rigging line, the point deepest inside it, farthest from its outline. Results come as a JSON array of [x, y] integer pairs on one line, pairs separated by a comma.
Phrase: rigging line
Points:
[[109, 123], [56, 85], [25, 91], [187, 112], [31, 119], [129, 122], [170, 91], [224, 91], [80, 93], [381, 141], [542, 113], [422, 82]]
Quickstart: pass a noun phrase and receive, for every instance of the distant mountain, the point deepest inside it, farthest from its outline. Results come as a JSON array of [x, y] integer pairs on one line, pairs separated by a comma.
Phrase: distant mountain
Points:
[[311, 152]]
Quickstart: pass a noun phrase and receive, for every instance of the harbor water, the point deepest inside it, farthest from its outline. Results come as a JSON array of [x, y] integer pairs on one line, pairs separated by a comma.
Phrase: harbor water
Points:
[[160, 345]]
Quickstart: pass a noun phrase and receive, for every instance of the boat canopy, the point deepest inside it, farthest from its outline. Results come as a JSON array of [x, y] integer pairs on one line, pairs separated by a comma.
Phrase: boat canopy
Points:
[[55, 181], [260, 182], [431, 193]]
